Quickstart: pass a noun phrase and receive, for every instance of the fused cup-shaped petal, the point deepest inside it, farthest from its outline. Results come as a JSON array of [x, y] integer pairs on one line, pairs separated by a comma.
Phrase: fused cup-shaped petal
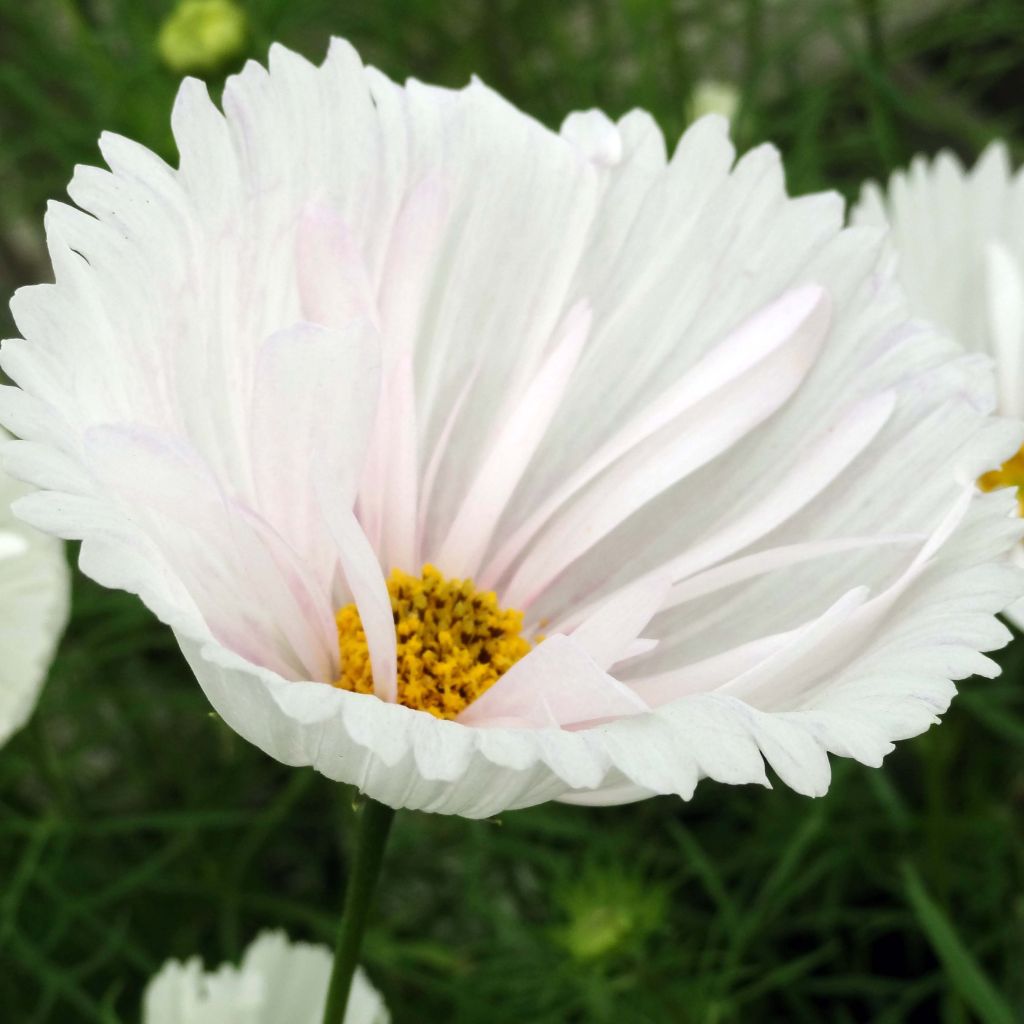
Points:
[[958, 236], [34, 600], [276, 981], [368, 342]]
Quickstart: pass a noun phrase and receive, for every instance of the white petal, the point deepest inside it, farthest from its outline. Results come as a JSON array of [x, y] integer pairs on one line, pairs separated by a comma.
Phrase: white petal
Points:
[[609, 634], [595, 135], [1005, 280], [276, 981], [314, 400], [556, 684], [368, 587], [726, 574], [746, 347], [34, 598], [720, 425], [703, 432], [467, 539]]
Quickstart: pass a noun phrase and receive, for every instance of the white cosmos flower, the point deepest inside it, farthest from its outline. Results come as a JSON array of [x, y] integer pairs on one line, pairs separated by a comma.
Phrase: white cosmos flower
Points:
[[278, 982], [675, 418], [34, 599], [959, 239]]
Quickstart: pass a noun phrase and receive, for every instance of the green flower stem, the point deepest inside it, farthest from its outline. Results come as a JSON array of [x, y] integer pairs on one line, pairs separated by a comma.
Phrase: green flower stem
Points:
[[374, 824]]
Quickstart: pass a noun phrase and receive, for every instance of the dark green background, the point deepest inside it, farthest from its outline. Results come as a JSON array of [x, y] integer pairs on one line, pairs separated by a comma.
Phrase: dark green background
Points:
[[134, 826]]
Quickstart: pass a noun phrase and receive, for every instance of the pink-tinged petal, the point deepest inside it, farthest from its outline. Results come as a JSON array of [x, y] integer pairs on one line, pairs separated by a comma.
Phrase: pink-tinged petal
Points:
[[718, 672], [824, 462], [800, 315], [809, 641], [433, 464], [642, 645], [748, 567], [471, 531], [738, 570], [699, 435], [415, 238], [557, 682], [774, 671], [251, 590], [387, 497], [792, 673], [368, 587], [389, 501], [867, 618], [313, 405], [611, 632], [334, 282]]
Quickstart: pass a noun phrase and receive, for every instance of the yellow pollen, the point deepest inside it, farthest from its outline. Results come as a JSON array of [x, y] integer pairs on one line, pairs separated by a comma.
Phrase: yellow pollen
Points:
[[454, 642], [1009, 474]]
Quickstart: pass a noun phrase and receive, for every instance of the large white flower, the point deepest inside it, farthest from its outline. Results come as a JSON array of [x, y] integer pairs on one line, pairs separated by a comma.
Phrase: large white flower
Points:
[[369, 341], [959, 240], [277, 982], [34, 592]]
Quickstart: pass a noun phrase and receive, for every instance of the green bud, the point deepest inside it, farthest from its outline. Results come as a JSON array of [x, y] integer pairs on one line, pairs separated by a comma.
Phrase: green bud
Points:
[[711, 97], [608, 909], [201, 36]]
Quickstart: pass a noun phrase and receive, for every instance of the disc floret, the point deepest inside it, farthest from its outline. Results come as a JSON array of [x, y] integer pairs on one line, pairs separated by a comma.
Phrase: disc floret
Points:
[[454, 642]]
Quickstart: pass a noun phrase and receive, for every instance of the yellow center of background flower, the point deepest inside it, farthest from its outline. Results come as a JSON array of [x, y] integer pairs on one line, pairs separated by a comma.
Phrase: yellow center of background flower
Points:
[[454, 642], [1009, 474]]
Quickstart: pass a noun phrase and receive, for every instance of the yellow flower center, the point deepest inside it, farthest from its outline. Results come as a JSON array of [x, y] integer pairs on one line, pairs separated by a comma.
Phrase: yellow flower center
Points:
[[1009, 474], [454, 642]]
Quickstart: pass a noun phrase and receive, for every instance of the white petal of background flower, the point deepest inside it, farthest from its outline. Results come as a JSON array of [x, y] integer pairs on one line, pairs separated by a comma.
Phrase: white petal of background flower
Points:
[[679, 419], [277, 981], [34, 599], [958, 236]]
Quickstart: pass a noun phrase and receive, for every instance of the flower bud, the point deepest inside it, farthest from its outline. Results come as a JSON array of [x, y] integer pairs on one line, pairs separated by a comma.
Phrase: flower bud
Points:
[[201, 36], [713, 97]]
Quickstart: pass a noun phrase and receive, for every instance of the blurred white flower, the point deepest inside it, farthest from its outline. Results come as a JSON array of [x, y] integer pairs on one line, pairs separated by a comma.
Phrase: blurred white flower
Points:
[[34, 599], [370, 342], [713, 97], [278, 982], [959, 239]]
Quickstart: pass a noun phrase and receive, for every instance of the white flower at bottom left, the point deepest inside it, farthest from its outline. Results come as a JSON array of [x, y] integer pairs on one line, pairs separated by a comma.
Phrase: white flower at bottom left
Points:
[[277, 981], [34, 600]]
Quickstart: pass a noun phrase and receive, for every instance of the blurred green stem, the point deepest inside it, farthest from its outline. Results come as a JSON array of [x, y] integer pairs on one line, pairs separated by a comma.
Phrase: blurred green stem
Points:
[[374, 825]]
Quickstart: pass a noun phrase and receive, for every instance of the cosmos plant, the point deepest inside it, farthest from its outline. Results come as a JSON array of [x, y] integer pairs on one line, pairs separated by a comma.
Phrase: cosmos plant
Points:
[[480, 465]]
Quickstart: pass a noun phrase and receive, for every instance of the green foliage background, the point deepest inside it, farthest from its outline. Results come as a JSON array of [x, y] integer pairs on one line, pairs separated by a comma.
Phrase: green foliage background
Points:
[[134, 826]]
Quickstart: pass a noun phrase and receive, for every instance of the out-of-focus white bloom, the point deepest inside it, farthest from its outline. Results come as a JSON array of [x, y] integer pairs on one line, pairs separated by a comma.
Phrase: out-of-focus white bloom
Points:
[[959, 236], [34, 599], [959, 239], [713, 97], [369, 342], [278, 982]]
